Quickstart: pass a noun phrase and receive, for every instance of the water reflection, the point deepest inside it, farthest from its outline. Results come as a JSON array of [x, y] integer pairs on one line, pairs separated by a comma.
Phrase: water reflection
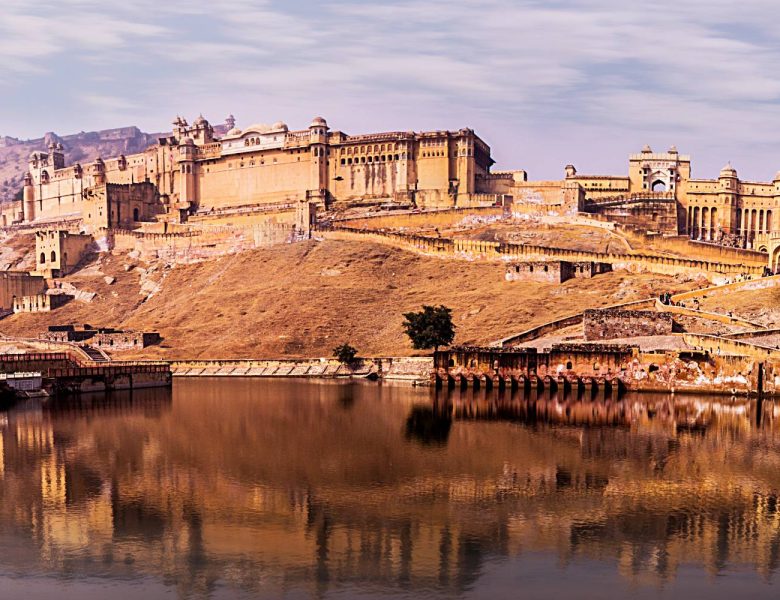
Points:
[[270, 488]]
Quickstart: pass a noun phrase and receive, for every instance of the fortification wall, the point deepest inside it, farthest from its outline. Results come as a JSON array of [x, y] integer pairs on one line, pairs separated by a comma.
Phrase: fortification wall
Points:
[[552, 326], [684, 246], [710, 316], [207, 242], [760, 283], [255, 178], [500, 251], [438, 218]]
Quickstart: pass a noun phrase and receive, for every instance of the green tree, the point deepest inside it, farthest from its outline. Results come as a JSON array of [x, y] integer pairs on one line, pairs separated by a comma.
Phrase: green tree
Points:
[[345, 354], [430, 328]]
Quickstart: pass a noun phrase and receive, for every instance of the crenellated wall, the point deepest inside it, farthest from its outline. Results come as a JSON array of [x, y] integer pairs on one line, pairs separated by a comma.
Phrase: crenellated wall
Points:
[[481, 250]]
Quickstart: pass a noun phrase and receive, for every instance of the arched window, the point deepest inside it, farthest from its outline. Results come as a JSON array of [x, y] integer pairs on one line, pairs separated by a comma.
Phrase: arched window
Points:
[[53, 256], [43, 258]]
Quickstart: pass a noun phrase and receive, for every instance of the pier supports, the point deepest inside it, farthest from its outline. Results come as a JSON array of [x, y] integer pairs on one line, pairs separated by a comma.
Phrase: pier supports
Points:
[[586, 387]]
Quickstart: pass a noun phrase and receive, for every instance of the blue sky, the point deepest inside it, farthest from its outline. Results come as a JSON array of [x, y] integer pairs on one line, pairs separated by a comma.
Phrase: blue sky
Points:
[[544, 83]]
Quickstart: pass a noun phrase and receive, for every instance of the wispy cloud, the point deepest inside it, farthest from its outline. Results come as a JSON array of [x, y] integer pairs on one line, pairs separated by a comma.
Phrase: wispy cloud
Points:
[[545, 82]]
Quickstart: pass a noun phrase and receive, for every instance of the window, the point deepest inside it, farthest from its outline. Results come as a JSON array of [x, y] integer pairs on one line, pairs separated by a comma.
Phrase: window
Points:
[[53, 256], [43, 258]]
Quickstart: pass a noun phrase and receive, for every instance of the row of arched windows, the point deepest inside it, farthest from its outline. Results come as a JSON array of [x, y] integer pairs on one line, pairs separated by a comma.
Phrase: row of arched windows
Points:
[[376, 148], [362, 160], [53, 257]]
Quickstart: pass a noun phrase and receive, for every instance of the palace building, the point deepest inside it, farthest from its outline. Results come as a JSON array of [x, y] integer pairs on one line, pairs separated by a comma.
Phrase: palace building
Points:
[[659, 194], [195, 171]]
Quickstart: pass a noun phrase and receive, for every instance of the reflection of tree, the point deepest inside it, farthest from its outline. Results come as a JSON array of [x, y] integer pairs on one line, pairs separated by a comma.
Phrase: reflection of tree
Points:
[[427, 427], [347, 396]]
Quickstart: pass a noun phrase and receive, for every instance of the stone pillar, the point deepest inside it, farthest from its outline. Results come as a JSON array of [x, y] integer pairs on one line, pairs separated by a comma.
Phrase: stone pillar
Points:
[[28, 198]]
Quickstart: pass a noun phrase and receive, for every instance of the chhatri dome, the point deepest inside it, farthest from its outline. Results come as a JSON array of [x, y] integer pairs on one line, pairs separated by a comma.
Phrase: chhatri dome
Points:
[[728, 171]]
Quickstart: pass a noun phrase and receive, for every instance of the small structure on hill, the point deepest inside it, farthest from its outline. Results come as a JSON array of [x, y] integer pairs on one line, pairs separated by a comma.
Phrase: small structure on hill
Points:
[[554, 271], [40, 302], [15, 284], [106, 338], [58, 252]]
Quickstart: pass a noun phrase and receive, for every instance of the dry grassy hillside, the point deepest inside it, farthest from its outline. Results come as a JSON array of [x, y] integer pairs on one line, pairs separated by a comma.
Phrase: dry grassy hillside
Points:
[[304, 299]]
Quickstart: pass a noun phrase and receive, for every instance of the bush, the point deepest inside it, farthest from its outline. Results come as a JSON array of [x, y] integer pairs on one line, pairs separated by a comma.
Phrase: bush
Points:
[[345, 354]]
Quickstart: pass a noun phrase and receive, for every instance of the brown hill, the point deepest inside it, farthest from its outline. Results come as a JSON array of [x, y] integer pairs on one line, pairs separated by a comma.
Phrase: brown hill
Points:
[[304, 299]]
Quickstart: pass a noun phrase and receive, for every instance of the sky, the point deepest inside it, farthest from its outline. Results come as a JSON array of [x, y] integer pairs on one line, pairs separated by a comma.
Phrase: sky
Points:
[[544, 83]]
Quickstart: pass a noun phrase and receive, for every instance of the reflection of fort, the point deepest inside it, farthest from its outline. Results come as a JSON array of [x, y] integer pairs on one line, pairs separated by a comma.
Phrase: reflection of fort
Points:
[[319, 486]]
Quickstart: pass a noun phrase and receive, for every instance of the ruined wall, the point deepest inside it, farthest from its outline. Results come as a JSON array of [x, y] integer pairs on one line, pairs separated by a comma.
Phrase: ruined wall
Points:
[[606, 324], [647, 215], [543, 272], [16, 284], [716, 366], [124, 340], [39, 303], [587, 270]]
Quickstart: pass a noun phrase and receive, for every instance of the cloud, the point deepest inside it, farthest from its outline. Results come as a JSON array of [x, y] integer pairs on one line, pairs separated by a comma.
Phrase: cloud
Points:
[[529, 75]]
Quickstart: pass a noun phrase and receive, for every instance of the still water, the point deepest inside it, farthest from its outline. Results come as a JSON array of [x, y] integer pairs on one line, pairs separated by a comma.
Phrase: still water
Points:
[[246, 488]]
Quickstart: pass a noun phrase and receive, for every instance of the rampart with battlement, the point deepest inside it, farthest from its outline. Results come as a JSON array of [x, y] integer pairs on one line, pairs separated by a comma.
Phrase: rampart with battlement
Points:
[[481, 250]]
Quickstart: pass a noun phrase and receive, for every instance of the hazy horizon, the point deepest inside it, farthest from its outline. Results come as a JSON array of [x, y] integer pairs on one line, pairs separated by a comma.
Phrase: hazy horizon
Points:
[[543, 83]]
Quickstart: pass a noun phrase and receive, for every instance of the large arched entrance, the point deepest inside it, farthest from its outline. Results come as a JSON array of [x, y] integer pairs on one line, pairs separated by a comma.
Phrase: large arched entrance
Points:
[[659, 186]]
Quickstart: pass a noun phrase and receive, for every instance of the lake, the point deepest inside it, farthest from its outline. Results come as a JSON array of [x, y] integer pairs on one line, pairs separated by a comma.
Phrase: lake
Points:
[[241, 488]]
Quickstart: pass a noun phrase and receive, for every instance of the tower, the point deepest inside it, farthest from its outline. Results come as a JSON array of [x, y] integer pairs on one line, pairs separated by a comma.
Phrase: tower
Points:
[[56, 155], [186, 162], [318, 143], [28, 198], [99, 172], [722, 216], [464, 148]]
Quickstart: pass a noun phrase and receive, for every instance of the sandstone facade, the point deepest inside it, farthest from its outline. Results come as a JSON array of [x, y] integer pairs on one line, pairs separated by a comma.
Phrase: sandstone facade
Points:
[[192, 172]]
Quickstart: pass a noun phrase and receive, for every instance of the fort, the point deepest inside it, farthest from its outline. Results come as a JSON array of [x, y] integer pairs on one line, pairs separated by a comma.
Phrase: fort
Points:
[[127, 232]]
